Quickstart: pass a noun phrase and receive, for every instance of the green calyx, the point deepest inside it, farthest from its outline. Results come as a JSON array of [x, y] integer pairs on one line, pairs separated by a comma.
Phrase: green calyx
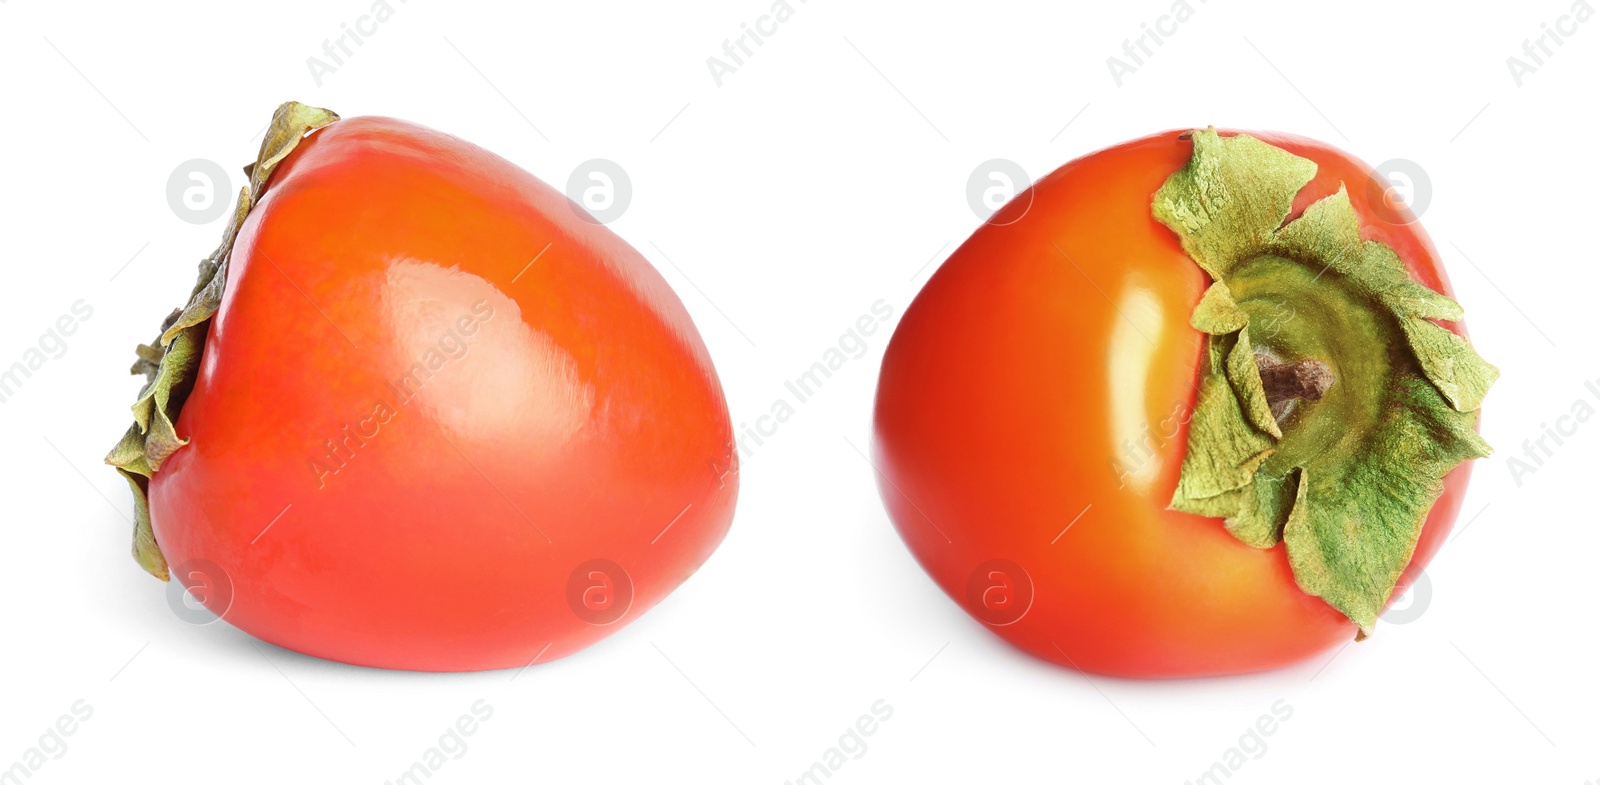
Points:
[[170, 363], [1346, 474]]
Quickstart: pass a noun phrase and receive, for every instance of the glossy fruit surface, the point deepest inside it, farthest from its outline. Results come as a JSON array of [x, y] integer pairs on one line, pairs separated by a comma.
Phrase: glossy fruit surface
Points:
[[1032, 416], [444, 421]]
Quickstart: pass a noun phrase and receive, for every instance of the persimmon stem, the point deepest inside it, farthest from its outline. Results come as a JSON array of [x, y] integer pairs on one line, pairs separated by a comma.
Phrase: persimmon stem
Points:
[[1305, 379]]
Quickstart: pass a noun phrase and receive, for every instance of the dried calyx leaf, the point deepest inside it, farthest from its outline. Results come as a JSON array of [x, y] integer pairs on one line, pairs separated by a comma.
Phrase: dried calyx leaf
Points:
[[1344, 476], [169, 363]]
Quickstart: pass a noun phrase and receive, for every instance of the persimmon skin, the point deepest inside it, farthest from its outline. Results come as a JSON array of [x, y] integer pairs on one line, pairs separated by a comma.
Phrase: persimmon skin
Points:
[[1010, 424], [583, 419]]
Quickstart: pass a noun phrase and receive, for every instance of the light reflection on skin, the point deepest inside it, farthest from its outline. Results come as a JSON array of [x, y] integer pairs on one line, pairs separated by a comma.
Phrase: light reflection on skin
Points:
[[1132, 352], [461, 349]]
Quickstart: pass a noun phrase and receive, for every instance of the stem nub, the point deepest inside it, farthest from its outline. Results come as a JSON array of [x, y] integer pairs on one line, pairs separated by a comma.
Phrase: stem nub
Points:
[[1305, 379]]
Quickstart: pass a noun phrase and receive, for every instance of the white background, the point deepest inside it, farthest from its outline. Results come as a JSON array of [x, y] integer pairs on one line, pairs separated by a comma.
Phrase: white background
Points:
[[827, 172]]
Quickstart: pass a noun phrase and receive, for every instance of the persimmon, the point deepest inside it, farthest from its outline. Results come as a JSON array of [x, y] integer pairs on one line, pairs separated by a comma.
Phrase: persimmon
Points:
[[1196, 404], [421, 413]]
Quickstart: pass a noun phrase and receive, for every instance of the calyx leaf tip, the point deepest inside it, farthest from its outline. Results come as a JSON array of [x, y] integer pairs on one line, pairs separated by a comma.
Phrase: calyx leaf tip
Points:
[[170, 363], [1345, 483]]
